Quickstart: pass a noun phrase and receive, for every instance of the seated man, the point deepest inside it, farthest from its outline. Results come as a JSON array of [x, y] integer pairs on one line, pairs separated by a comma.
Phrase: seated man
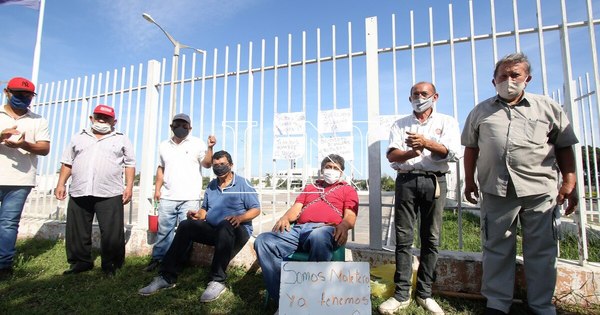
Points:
[[323, 213], [223, 221]]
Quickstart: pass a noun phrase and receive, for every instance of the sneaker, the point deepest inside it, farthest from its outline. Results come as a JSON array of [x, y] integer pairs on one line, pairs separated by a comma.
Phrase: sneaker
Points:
[[157, 284], [213, 291], [391, 306], [152, 265], [430, 305]]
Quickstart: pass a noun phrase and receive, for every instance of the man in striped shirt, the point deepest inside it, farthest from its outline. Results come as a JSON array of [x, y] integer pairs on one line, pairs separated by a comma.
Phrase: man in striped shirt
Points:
[[96, 159]]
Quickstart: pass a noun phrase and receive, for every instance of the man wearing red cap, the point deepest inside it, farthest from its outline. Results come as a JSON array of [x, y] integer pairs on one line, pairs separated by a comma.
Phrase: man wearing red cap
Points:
[[23, 136], [96, 160]]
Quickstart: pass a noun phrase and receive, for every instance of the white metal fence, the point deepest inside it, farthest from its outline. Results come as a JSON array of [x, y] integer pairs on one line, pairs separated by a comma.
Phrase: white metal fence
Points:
[[282, 104]]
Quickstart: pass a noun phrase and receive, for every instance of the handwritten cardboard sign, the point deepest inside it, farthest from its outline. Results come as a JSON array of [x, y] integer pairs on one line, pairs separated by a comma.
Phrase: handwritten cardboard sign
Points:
[[325, 288], [288, 147]]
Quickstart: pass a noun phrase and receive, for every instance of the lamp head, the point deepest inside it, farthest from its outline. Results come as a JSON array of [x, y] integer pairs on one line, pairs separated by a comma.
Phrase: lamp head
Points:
[[148, 18]]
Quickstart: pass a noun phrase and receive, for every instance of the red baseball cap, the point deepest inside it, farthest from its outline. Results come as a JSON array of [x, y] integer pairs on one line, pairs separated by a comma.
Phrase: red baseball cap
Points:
[[20, 84], [105, 110]]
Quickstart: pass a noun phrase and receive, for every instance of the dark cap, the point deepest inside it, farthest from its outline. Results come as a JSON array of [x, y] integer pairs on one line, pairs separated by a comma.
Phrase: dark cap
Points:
[[183, 117], [20, 84]]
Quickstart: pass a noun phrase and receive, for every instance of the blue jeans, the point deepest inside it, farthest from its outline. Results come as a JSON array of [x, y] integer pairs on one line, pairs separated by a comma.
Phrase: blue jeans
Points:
[[12, 201], [415, 199], [271, 248], [170, 213]]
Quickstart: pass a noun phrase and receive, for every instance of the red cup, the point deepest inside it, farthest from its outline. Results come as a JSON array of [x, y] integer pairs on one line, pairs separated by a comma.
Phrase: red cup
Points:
[[153, 223]]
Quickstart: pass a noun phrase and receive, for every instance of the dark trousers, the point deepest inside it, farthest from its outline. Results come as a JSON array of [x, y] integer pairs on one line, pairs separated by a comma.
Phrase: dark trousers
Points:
[[78, 238], [226, 239], [415, 199]]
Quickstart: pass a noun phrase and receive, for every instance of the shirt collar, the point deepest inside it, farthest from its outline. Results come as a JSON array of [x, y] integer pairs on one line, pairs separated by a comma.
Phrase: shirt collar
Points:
[[182, 141], [3, 110], [90, 133], [523, 102]]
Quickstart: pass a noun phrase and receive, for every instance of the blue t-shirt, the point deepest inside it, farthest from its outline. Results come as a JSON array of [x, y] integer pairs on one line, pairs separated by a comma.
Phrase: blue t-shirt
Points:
[[233, 200]]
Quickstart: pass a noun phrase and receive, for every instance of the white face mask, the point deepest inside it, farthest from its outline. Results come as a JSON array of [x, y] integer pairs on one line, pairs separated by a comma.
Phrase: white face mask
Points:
[[331, 176], [101, 128], [420, 105], [510, 90]]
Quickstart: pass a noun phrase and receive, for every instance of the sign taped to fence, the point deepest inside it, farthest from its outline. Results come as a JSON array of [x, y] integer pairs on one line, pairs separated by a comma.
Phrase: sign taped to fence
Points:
[[288, 147], [338, 145], [289, 123], [331, 287], [335, 120]]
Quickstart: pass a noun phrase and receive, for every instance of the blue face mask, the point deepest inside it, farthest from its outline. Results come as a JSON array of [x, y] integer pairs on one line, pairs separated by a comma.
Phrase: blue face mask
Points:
[[19, 102]]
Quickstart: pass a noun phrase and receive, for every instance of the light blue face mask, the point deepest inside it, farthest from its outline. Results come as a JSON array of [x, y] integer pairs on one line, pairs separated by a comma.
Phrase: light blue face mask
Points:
[[20, 103]]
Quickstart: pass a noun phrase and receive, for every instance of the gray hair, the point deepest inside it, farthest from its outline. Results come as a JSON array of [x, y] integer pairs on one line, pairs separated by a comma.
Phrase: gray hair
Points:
[[517, 57], [335, 159], [424, 82]]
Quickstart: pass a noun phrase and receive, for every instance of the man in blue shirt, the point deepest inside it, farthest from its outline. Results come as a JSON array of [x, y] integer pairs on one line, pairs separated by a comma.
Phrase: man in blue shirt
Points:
[[223, 221]]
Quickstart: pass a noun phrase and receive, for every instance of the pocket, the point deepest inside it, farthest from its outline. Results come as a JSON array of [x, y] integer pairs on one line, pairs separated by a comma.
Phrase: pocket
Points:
[[436, 195], [537, 131]]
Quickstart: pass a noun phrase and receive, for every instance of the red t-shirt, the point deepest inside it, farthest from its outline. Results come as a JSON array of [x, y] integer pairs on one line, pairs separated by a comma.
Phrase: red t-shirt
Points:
[[342, 198]]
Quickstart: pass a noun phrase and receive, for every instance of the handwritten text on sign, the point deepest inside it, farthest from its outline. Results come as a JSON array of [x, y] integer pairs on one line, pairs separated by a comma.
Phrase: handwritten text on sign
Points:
[[325, 288]]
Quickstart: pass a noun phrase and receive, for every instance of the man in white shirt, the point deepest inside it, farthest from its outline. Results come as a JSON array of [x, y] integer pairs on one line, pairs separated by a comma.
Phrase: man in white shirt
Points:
[[178, 181], [421, 146], [23, 136]]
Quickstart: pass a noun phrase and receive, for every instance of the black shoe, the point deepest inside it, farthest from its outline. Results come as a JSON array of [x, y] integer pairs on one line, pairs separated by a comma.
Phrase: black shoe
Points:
[[77, 269], [109, 272], [493, 311], [154, 263], [6, 273]]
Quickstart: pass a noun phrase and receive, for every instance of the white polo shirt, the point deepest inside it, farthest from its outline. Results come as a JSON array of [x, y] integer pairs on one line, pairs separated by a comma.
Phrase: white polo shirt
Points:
[[441, 128], [182, 164], [19, 166]]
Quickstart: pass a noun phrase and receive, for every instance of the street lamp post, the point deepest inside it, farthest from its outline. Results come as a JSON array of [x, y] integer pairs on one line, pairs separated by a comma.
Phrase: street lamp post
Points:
[[174, 67]]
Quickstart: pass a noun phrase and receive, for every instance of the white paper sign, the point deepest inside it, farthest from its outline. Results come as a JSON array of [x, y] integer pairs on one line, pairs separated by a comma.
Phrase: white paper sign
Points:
[[289, 123], [337, 145], [336, 120], [287, 148], [385, 124], [325, 288]]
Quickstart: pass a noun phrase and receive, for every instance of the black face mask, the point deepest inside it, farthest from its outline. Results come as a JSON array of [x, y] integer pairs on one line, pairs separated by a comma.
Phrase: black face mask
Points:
[[221, 170], [181, 132]]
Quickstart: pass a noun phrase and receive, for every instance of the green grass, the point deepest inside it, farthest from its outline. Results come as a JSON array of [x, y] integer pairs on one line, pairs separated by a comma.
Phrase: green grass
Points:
[[472, 239], [38, 287]]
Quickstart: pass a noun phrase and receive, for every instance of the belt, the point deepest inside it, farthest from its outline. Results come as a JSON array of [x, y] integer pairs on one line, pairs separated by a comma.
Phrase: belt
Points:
[[421, 172]]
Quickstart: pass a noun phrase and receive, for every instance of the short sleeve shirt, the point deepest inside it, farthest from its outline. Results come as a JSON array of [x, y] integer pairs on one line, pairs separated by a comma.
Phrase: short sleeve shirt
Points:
[[97, 164], [441, 128], [340, 196], [235, 199], [182, 165], [18, 166], [517, 143]]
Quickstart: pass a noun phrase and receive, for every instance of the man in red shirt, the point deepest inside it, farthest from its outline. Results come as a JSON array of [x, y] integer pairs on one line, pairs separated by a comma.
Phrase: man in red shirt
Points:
[[323, 213]]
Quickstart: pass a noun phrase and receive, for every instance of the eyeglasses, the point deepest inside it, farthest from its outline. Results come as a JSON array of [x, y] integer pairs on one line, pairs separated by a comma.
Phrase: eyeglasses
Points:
[[102, 117], [177, 125], [22, 94], [220, 164]]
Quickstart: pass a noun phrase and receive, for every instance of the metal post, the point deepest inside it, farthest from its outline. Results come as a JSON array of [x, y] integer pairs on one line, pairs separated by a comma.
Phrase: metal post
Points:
[[573, 114], [174, 73], [148, 143], [372, 62]]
